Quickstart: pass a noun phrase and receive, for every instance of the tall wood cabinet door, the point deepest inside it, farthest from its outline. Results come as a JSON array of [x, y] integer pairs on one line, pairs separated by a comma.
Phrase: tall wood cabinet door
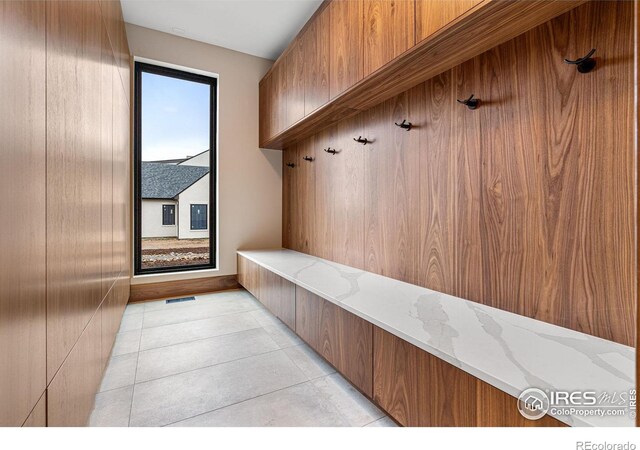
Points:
[[277, 99], [294, 66], [315, 45], [265, 128], [346, 45], [431, 15], [389, 30], [22, 183]]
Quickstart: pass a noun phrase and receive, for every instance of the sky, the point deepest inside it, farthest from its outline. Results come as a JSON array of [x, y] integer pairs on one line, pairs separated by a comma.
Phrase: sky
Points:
[[175, 117]]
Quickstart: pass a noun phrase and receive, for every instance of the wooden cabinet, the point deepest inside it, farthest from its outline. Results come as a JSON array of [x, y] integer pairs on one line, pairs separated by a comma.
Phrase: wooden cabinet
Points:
[[389, 30], [432, 15], [23, 222], [38, 416], [315, 50], [278, 295], [346, 19], [343, 339], [295, 68], [273, 291], [249, 275], [265, 109], [303, 203], [419, 389]]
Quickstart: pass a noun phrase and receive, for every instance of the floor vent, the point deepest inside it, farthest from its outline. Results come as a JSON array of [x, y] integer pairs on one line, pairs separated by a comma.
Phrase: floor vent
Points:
[[181, 299]]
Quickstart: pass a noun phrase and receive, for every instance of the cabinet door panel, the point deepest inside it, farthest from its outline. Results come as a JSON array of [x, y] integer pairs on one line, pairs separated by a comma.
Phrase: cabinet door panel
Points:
[[294, 66], [315, 42], [346, 45], [389, 30], [265, 130], [278, 296], [249, 276], [431, 15], [22, 183], [343, 339]]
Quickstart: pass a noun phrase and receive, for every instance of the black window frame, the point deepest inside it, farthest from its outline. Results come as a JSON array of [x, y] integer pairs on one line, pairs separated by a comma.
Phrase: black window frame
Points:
[[206, 210], [172, 215], [139, 69]]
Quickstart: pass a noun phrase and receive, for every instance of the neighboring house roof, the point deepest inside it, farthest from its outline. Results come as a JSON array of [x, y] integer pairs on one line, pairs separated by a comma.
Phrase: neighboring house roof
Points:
[[167, 181]]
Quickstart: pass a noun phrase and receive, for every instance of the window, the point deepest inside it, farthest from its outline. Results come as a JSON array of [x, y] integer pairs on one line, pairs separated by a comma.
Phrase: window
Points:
[[174, 169], [168, 214], [198, 217]]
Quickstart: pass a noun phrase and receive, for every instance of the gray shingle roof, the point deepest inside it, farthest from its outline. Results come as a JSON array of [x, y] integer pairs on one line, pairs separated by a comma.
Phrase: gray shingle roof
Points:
[[168, 180]]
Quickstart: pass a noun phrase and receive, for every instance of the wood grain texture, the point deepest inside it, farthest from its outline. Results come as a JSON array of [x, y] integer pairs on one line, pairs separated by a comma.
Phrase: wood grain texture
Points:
[[340, 195], [389, 30], [315, 57], [432, 15], [249, 276], [303, 206], [396, 377], [22, 181], [181, 288], [71, 393], [343, 339], [391, 193], [74, 51], [295, 87], [482, 28], [290, 167], [38, 416], [278, 296], [520, 204], [265, 109], [419, 389], [346, 44]]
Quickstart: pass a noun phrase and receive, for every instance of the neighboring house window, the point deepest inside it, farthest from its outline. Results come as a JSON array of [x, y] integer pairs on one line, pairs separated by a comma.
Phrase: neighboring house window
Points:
[[198, 217], [168, 214]]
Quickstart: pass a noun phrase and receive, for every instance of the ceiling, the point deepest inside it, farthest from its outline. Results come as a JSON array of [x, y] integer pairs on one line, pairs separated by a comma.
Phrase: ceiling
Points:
[[258, 27]]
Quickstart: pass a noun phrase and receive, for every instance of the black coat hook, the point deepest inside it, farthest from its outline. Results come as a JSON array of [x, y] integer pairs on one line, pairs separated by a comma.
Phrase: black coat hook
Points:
[[471, 103], [405, 125], [307, 158], [361, 140], [585, 64], [292, 165], [333, 151]]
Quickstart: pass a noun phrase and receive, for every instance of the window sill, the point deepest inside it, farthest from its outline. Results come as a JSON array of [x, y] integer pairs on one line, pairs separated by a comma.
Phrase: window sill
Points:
[[171, 276]]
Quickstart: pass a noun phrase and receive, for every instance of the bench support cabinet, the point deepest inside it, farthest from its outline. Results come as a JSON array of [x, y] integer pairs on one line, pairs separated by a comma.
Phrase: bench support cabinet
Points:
[[419, 389], [343, 339]]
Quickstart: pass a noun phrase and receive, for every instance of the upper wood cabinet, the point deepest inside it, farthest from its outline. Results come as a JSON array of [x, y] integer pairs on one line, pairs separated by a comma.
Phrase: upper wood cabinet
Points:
[[295, 83], [389, 30], [315, 49], [355, 54], [346, 45], [431, 15]]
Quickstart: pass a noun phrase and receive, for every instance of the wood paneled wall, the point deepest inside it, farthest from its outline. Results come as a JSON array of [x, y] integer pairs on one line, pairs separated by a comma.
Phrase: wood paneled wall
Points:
[[23, 220], [525, 204], [65, 172]]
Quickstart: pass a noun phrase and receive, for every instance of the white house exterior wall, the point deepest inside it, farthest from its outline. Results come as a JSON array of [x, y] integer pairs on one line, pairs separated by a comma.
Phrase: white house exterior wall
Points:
[[202, 160], [152, 219], [198, 193]]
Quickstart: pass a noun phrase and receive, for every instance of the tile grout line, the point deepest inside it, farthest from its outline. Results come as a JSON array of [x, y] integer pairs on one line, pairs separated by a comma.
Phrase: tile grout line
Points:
[[238, 402], [133, 390], [204, 318]]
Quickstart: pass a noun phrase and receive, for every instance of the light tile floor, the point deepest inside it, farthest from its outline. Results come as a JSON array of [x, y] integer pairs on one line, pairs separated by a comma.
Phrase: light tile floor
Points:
[[221, 360]]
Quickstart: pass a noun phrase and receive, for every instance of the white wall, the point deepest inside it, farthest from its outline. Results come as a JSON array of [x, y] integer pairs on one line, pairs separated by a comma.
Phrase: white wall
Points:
[[249, 179], [202, 160], [198, 193], [152, 219]]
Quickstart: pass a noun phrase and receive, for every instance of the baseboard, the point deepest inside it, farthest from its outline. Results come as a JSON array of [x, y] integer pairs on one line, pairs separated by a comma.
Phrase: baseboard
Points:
[[180, 288]]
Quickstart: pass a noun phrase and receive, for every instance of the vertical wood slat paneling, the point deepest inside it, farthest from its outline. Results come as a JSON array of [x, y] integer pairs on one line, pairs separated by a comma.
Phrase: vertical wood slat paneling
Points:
[[525, 204], [38, 416], [389, 30], [23, 220]]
